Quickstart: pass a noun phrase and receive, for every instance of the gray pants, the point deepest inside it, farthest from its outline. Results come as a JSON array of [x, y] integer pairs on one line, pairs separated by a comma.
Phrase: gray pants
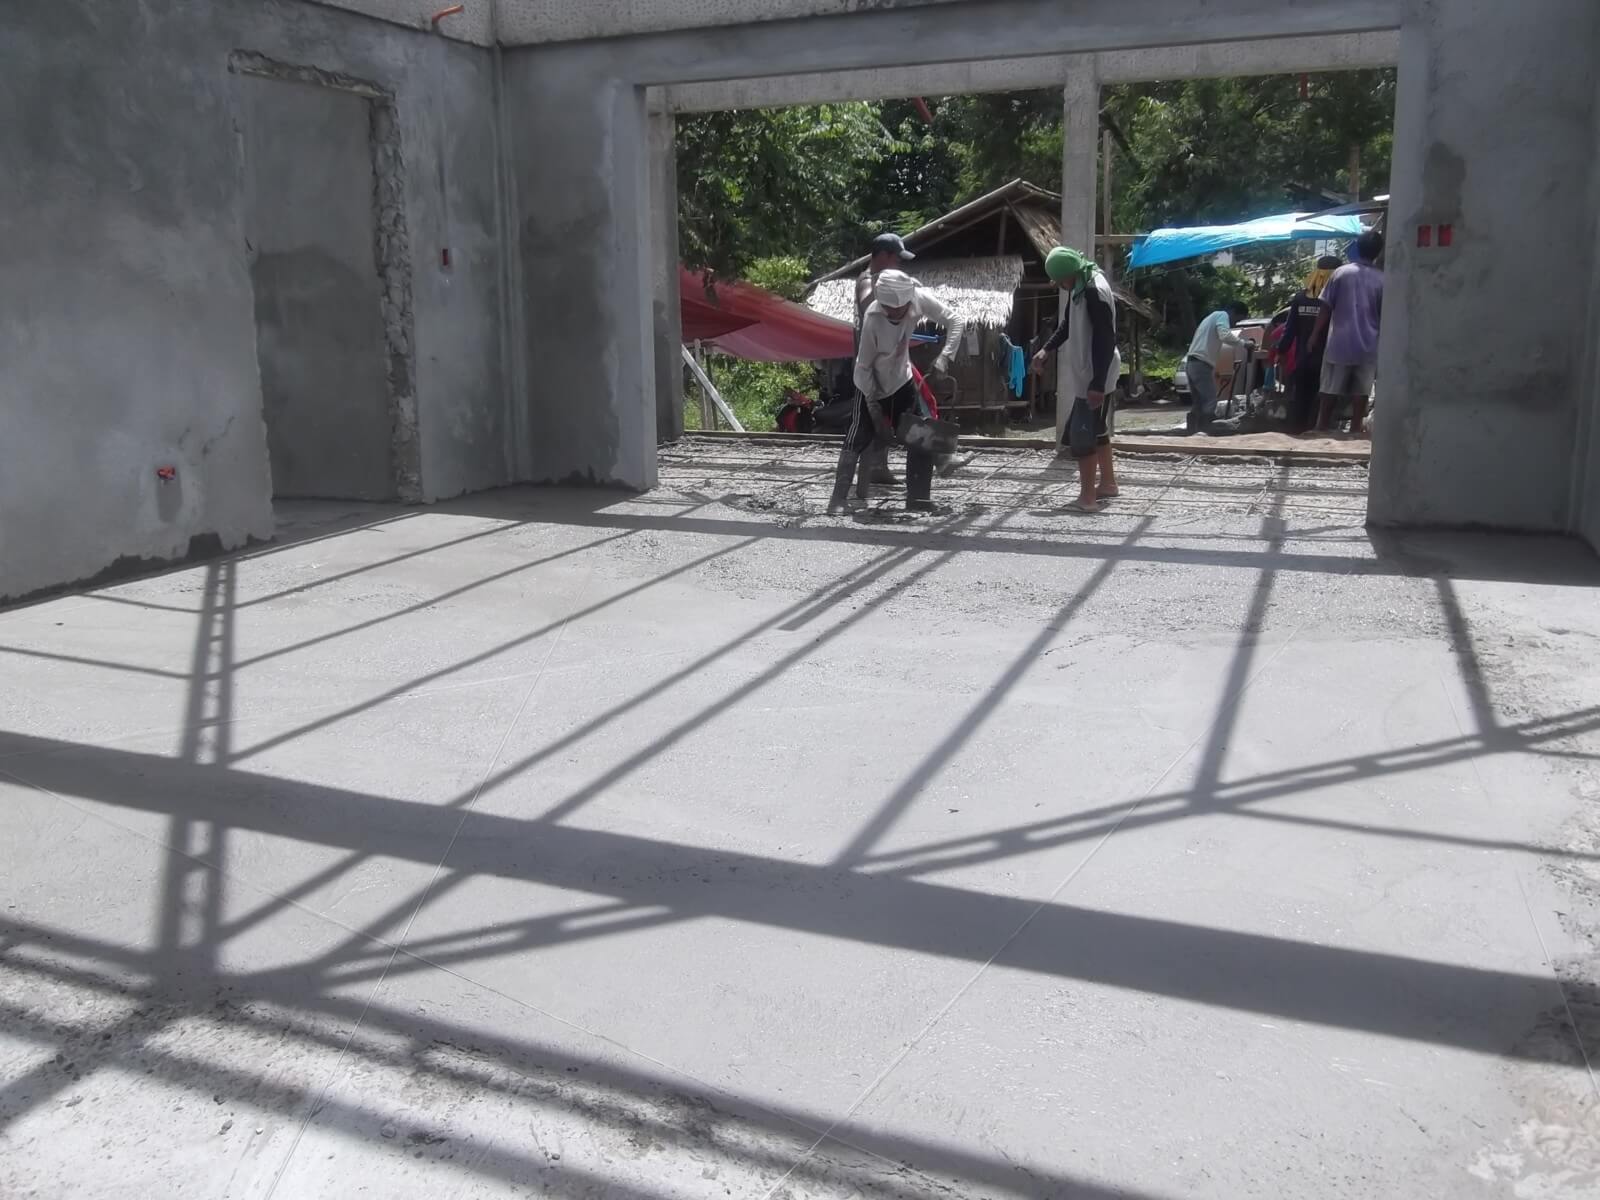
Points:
[[1202, 392]]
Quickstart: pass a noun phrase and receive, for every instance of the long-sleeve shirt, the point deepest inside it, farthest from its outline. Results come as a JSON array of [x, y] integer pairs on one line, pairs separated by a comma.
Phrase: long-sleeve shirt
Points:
[[1215, 332], [1099, 309], [883, 357]]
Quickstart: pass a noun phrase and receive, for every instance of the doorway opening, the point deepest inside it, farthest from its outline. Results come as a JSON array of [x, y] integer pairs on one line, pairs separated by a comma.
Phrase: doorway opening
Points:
[[975, 182], [329, 257]]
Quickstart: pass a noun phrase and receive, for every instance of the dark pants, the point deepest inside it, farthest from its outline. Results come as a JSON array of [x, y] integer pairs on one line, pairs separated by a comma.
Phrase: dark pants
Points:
[[1089, 428], [862, 432], [919, 463], [1303, 396]]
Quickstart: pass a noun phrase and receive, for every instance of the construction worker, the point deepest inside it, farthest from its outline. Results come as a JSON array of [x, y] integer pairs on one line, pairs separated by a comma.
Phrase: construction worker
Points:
[[886, 387], [1092, 369]]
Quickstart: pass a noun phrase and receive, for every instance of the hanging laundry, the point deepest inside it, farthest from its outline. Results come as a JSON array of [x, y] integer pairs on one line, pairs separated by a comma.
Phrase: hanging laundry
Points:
[[1019, 371], [1012, 364]]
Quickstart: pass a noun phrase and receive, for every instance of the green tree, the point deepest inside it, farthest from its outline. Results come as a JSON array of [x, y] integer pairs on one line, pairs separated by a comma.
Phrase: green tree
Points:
[[785, 275], [772, 182]]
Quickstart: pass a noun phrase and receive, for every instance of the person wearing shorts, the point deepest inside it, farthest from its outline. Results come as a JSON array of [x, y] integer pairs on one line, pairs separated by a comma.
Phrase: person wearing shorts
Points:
[[1347, 331], [1093, 368]]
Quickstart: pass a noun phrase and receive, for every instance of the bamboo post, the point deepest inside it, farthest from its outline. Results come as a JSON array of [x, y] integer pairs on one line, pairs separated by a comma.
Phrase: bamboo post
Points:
[[711, 396]]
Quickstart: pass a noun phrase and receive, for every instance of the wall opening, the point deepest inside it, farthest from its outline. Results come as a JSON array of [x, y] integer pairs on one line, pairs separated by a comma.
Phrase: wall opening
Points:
[[330, 267], [976, 178]]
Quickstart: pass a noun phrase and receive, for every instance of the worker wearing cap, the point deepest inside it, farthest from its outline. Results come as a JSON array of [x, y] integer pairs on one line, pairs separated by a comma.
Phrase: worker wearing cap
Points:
[[889, 253], [885, 387], [1091, 369]]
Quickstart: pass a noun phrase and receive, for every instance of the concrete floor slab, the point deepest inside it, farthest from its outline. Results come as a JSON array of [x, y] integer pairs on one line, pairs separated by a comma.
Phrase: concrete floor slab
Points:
[[1208, 846]]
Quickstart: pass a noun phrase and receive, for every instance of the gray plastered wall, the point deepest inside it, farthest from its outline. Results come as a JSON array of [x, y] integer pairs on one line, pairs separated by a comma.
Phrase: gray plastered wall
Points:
[[1482, 389], [127, 334]]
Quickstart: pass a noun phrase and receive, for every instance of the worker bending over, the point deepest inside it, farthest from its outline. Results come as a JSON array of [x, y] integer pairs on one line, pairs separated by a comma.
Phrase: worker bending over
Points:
[[885, 387]]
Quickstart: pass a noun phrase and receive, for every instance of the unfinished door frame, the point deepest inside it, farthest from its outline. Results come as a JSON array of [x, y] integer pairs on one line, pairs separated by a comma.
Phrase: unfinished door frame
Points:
[[391, 250]]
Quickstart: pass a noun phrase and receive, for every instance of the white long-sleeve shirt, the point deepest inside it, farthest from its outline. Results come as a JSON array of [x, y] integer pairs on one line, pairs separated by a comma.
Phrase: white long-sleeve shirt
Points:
[[883, 360], [1215, 332]]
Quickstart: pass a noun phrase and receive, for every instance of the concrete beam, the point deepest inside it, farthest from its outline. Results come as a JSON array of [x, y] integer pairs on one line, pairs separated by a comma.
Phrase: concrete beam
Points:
[[884, 39], [527, 22], [1220, 60]]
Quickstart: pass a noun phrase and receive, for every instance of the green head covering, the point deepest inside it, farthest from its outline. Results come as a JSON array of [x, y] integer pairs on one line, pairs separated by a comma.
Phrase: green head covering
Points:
[[1062, 264]]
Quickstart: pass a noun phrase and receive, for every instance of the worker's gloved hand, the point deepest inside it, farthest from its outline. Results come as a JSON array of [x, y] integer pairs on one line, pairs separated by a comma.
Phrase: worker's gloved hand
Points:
[[941, 365], [1096, 399]]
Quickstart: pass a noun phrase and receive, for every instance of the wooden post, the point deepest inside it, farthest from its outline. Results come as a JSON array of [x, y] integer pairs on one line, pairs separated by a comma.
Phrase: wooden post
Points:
[[708, 414], [1355, 172], [1134, 326]]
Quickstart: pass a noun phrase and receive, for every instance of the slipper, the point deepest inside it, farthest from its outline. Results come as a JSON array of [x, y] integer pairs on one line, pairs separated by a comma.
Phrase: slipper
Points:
[[1108, 495], [1080, 506]]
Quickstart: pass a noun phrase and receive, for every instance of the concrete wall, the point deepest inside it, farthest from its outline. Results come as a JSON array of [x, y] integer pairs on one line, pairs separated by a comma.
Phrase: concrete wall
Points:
[[1586, 466], [474, 23], [1481, 373], [580, 234], [310, 226], [127, 332]]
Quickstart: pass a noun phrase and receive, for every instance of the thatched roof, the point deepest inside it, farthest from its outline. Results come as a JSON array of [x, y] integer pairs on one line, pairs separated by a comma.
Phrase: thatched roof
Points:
[[980, 289], [1018, 193], [1036, 211]]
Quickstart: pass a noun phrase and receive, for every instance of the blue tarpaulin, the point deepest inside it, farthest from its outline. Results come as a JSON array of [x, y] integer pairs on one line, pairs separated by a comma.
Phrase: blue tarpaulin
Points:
[[1171, 245]]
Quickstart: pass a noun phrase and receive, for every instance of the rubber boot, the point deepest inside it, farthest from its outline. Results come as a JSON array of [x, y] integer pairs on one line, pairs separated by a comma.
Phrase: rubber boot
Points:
[[877, 459], [919, 481], [849, 461]]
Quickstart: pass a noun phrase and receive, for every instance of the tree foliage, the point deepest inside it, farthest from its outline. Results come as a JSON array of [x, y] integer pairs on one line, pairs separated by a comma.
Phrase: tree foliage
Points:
[[809, 186], [773, 182]]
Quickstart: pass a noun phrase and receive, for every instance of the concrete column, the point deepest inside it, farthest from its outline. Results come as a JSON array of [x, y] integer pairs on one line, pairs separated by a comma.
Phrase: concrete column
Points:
[[580, 161], [1475, 430], [1079, 163], [664, 253]]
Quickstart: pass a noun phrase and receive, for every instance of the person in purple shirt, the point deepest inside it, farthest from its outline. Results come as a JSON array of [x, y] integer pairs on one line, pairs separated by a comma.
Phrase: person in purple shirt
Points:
[[1347, 333]]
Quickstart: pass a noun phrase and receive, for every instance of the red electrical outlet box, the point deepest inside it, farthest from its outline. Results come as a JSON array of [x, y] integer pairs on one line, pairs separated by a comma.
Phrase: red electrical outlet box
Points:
[[1447, 236], [1424, 236]]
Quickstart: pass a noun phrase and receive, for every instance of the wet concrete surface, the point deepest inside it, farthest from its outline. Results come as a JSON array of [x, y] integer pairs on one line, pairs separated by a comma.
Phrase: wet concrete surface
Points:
[[697, 844]]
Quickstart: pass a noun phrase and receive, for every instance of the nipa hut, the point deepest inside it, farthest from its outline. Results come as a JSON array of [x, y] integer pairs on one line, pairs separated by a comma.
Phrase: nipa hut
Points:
[[986, 261]]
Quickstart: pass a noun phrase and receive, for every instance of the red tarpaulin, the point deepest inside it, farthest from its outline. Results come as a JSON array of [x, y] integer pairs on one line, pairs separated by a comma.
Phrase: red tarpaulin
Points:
[[749, 322]]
